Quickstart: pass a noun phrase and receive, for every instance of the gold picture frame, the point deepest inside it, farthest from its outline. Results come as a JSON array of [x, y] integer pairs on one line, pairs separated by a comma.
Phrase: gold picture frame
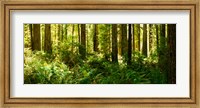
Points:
[[8, 6]]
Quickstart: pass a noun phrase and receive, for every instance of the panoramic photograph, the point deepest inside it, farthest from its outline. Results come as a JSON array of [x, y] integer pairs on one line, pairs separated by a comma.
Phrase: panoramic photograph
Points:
[[99, 53]]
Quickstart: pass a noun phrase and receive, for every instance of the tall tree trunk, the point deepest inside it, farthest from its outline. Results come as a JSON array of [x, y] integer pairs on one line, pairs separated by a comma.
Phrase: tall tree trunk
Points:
[[47, 40], [95, 38], [133, 37], [66, 31], [124, 45], [58, 32], [171, 47], [55, 31], [58, 39], [150, 37], [109, 32], [79, 34], [114, 43], [119, 39], [72, 38], [61, 32], [162, 52], [36, 37], [83, 42], [72, 29], [157, 37], [138, 35], [129, 45], [42, 36], [109, 43], [162, 36], [31, 34], [144, 49]]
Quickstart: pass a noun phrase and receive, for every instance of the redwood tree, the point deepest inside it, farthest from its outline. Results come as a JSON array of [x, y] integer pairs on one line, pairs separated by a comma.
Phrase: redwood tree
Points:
[[82, 49], [171, 47], [144, 49], [133, 37], [138, 35], [124, 45], [47, 40], [31, 34], [36, 37], [150, 37], [114, 43], [129, 45], [95, 38]]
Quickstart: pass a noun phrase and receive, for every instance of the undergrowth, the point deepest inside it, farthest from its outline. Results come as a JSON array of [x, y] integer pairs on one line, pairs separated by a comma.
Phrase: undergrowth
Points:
[[67, 67]]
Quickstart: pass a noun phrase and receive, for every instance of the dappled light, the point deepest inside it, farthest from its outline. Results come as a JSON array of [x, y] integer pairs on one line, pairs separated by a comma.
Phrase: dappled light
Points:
[[99, 53]]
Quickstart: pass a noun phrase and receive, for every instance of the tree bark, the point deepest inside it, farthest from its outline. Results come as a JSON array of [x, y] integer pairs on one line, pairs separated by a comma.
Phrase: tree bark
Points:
[[83, 42], [58, 39], [157, 37], [133, 37], [47, 40], [144, 49], [171, 46], [129, 45], [95, 38], [162, 36], [114, 43], [66, 31], [124, 45], [150, 37], [79, 34], [162, 52], [72, 48], [36, 37], [138, 35], [62, 31], [31, 35], [58, 32]]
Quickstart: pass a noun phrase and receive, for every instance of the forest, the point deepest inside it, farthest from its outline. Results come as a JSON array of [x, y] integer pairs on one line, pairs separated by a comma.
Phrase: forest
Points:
[[99, 53]]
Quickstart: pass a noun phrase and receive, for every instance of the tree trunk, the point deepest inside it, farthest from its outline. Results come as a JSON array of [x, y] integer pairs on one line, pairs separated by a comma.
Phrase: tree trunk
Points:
[[79, 35], [150, 37], [124, 45], [36, 37], [133, 37], [138, 35], [58, 32], [55, 31], [114, 43], [129, 45], [95, 38], [108, 38], [58, 39], [66, 31], [162, 52], [157, 37], [83, 42], [72, 38], [31, 34], [162, 36], [144, 49], [171, 47], [47, 40], [62, 32]]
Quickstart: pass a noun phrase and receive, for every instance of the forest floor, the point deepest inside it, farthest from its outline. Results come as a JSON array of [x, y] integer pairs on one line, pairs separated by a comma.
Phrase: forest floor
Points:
[[68, 68]]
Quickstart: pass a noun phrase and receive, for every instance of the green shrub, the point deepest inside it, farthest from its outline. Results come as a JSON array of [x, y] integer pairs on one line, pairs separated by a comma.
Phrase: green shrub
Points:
[[38, 70]]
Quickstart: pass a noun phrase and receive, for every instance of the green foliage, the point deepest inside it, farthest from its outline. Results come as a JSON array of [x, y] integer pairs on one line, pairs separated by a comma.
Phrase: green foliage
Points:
[[27, 38], [65, 65], [39, 70]]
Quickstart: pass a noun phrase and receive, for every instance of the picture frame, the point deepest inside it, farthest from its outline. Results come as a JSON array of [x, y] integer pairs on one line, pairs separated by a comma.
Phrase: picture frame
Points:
[[8, 6]]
